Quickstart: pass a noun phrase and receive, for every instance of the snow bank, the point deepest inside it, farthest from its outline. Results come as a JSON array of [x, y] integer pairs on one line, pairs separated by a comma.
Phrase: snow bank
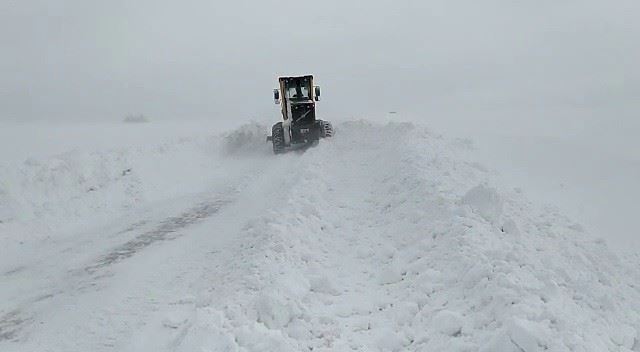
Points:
[[386, 241], [80, 182], [54, 198]]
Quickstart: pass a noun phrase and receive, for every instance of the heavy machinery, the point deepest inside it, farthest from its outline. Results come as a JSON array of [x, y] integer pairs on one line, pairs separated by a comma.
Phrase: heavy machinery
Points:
[[297, 97]]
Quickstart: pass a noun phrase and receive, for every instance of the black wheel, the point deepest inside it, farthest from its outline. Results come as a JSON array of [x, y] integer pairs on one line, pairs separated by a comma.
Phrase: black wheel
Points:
[[326, 129], [277, 138]]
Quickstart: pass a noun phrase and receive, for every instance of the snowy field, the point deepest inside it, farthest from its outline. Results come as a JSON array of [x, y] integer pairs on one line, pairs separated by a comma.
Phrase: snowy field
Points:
[[389, 237]]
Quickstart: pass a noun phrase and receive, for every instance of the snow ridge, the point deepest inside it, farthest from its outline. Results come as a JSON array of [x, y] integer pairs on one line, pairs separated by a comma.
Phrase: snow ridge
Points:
[[387, 242]]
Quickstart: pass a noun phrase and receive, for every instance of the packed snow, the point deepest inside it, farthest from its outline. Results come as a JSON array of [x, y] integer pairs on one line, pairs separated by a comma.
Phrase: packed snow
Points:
[[383, 238]]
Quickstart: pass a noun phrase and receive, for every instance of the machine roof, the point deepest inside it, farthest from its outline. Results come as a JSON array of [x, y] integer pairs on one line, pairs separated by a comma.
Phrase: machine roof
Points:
[[286, 78]]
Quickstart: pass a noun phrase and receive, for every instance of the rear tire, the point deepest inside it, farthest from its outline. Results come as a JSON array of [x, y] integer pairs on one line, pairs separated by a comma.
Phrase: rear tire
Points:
[[326, 129], [277, 138]]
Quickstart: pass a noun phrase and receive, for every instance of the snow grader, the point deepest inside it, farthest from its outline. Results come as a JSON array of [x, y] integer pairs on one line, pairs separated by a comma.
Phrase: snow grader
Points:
[[297, 97]]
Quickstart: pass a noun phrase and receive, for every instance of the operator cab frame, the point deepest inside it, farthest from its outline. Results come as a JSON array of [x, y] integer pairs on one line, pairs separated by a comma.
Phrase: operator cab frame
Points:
[[296, 89], [297, 96]]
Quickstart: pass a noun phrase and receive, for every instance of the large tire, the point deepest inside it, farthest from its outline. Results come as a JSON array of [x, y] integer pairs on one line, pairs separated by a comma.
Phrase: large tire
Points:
[[277, 138], [326, 129]]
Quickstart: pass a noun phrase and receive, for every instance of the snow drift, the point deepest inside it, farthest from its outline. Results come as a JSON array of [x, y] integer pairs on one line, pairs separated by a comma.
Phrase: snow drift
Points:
[[392, 244], [380, 239]]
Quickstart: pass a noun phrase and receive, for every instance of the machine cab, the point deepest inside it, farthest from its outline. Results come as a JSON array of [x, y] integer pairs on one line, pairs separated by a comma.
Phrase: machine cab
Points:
[[297, 96], [296, 89]]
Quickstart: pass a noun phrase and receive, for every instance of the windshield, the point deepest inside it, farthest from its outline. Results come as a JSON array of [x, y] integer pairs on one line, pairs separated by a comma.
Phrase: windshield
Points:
[[298, 89]]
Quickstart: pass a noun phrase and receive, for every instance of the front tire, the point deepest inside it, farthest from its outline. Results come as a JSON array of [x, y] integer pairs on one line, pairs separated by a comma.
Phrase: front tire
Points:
[[277, 138], [326, 129]]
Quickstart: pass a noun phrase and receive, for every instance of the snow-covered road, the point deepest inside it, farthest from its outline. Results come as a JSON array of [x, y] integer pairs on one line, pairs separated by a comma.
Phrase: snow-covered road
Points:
[[381, 239]]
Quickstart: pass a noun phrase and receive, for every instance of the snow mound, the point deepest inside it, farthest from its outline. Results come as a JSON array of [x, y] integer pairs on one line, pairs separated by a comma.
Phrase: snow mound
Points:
[[387, 241], [68, 185], [485, 201], [54, 193]]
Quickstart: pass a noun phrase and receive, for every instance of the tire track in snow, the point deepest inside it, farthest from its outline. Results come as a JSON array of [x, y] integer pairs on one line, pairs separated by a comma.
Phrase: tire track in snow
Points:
[[12, 323], [167, 230]]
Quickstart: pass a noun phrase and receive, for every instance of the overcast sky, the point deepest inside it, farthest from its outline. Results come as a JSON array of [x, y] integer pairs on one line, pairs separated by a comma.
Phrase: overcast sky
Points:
[[83, 59]]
